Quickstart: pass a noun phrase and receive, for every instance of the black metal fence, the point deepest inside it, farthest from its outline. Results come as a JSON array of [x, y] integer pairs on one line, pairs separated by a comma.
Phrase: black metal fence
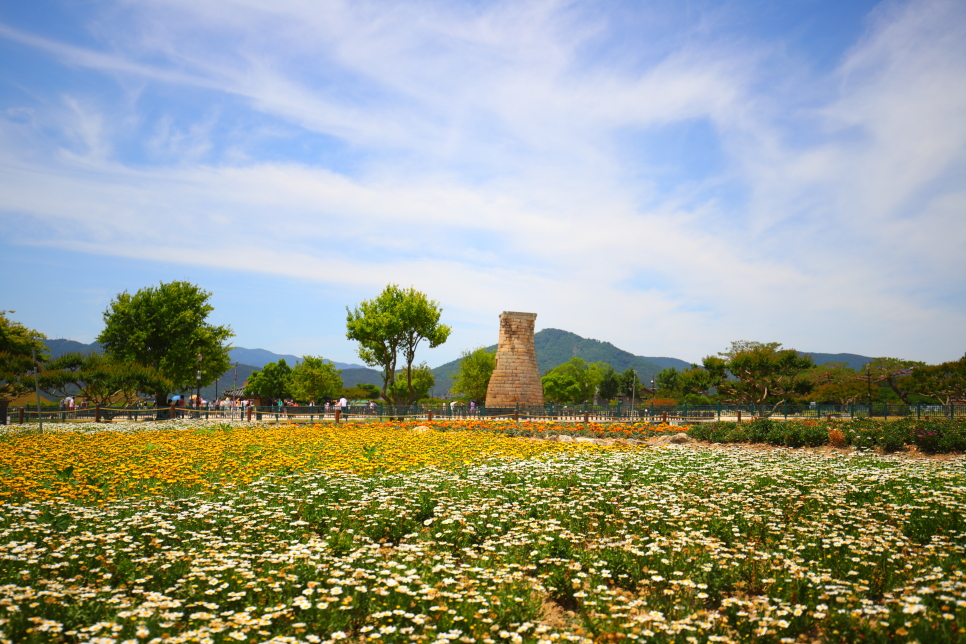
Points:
[[548, 412]]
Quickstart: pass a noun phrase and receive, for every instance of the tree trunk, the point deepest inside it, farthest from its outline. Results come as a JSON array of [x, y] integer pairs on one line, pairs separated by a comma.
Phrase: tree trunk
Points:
[[3, 410], [161, 404], [903, 396]]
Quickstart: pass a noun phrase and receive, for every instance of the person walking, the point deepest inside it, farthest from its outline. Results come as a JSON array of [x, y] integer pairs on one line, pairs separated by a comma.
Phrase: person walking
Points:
[[344, 404]]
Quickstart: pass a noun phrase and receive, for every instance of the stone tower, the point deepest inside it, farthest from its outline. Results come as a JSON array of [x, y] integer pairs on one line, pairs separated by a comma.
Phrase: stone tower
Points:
[[516, 377]]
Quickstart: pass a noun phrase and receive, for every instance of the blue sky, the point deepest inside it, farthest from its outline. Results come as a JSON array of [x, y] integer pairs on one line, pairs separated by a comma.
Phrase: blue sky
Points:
[[667, 176]]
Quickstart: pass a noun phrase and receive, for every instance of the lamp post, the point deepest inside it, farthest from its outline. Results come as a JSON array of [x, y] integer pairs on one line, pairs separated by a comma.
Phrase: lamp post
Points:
[[198, 387], [236, 375], [33, 353]]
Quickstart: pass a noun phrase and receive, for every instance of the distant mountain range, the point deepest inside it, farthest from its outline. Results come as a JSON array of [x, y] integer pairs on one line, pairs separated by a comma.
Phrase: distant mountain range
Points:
[[249, 361], [553, 346]]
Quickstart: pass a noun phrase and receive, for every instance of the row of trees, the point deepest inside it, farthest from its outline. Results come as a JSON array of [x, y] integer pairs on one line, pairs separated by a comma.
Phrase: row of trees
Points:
[[766, 374], [159, 341], [156, 341], [749, 373], [314, 379]]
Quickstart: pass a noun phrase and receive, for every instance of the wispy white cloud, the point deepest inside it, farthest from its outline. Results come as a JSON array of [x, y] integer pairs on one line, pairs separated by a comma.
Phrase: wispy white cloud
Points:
[[486, 157]]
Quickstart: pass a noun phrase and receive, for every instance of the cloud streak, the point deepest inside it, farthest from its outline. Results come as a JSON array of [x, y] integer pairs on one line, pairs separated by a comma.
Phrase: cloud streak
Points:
[[516, 156]]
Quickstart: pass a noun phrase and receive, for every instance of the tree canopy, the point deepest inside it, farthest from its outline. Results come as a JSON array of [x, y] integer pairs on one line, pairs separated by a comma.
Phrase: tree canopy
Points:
[[891, 372], [835, 383], [945, 382], [630, 385], [101, 379], [473, 374], [610, 383], [410, 387], [272, 382], [315, 379], [572, 382], [764, 373], [17, 344], [165, 327], [393, 325]]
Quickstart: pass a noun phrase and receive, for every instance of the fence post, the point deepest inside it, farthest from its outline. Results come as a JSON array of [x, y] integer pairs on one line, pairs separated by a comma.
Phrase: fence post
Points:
[[739, 415], [21, 415], [785, 409], [429, 415], [338, 412], [918, 410], [171, 411], [249, 413], [852, 411], [97, 413], [719, 411]]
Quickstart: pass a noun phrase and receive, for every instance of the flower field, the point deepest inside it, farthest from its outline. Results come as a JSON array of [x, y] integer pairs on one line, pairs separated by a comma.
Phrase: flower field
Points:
[[379, 533]]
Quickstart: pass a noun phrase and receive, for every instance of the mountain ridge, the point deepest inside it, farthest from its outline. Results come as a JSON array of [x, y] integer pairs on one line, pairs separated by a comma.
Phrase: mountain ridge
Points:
[[553, 346]]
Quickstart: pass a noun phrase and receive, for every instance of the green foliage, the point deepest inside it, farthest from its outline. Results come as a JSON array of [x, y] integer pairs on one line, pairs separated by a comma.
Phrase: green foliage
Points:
[[473, 375], [272, 382], [836, 383], [165, 327], [629, 384], [945, 382], [764, 373], [408, 389], [891, 372], [573, 382], [667, 379], [696, 382], [934, 436], [696, 399], [314, 379], [369, 390], [101, 379], [17, 343], [391, 325], [610, 383]]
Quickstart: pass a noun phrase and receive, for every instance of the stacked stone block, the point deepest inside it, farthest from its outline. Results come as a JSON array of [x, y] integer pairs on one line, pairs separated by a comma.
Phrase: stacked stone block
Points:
[[516, 377]]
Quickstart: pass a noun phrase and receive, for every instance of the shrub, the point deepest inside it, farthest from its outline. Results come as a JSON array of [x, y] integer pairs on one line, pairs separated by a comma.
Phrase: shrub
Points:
[[836, 438]]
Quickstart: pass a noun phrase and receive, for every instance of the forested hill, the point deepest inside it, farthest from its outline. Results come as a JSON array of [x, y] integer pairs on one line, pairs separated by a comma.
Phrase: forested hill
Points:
[[555, 346]]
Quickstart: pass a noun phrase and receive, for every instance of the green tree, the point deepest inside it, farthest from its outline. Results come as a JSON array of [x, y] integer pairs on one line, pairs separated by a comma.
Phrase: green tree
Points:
[[393, 325], [572, 382], [273, 382], [610, 383], [890, 372], [667, 379], [764, 373], [410, 387], [629, 380], [101, 379], [945, 382], [695, 383], [17, 346], [165, 327], [368, 390], [834, 383], [473, 374], [315, 379]]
